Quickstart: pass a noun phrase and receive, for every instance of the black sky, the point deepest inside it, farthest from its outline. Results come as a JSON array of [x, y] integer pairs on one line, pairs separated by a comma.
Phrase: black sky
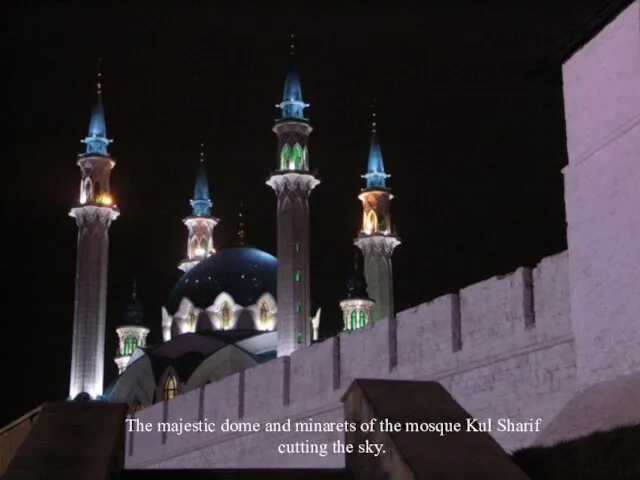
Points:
[[474, 144]]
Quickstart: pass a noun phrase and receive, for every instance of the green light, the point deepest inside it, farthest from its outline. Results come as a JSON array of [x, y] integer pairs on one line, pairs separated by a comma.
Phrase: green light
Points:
[[298, 276], [298, 307], [297, 246]]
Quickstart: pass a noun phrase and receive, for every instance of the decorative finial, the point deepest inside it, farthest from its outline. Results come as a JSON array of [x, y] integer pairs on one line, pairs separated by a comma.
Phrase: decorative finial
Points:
[[99, 76], [373, 116], [201, 150], [240, 225], [134, 288], [292, 44]]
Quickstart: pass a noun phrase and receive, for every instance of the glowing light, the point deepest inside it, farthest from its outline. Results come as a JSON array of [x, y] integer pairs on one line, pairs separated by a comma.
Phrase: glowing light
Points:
[[105, 199], [199, 252]]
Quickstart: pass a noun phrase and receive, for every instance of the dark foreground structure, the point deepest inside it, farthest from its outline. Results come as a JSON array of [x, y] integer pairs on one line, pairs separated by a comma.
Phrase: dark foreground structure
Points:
[[82, 441]]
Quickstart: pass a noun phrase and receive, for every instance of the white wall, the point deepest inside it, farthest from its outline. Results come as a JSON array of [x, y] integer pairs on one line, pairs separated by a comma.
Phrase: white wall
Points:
[[602, 196]]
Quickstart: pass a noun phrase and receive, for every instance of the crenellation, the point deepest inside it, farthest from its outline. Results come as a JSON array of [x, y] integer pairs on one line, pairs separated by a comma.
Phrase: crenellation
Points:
[[364, 353], [264, 388], [221, 399], [312, 375], [424, 337]]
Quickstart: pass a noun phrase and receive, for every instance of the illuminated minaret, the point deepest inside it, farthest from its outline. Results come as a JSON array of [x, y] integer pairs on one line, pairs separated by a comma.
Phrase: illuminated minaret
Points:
[[200, 223], [377, 238], [94, 212], [293, 182], [131, 334]]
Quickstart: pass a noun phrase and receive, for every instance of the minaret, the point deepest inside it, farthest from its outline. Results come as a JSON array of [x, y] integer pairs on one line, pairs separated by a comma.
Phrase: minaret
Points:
[[94, 212], [377, 239], [356, 307], [293, 182], [132, 333], [200, 223]]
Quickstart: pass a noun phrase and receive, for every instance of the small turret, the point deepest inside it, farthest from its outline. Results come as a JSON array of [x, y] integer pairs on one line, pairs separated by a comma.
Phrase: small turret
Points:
[[132, 334], [356, 307]]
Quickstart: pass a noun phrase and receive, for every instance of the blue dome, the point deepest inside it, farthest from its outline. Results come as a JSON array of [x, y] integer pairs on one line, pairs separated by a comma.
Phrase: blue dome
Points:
[[243, 272]]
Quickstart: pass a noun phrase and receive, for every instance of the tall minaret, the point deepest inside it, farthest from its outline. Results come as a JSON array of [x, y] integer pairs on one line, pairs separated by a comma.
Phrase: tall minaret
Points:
[[377, 239], [293, 182], [94, 212], [200, 223], [131, 334]]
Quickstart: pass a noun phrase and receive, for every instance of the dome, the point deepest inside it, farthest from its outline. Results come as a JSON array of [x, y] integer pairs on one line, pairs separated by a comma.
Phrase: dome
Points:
[[243, 272]]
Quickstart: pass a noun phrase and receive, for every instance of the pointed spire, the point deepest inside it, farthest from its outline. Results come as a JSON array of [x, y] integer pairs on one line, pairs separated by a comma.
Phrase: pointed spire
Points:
[[240, 225], [292, 105], [201, 203], [375, 176], [133, 312], [96, 140]]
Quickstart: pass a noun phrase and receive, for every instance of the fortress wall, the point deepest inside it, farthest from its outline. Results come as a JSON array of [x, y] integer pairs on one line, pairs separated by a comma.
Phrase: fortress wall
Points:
[[424, 335], [315, 372], [502, 347], [183, 408], [492, 315], [602, 112], [364, 353], [264, 388], [552, 305], [221, 399], [535, 384], [146, 446]]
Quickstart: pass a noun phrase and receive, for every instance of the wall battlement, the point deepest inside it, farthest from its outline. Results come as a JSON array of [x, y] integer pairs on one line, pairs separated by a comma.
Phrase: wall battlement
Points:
[[503, 347]]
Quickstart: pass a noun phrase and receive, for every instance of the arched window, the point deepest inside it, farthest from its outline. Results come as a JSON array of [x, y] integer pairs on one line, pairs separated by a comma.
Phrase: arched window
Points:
[[226, 314], [371, 222], [127, 346], [285, 157], [264, 312], [170, 387], [134, 344], [354, 320], [297, 157], [305, 158], [361, 319]]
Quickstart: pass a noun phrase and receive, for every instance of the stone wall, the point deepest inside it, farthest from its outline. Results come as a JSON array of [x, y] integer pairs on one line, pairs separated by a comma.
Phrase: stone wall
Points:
[[502, 347], [602, 196]]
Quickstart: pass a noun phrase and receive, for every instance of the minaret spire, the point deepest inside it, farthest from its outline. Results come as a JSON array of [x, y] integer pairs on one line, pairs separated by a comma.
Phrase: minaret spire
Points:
[[376, 238], [240, 225], [200, 223], [96, 139], [375, 176], [292, 105], [293, 183], [94, 212]]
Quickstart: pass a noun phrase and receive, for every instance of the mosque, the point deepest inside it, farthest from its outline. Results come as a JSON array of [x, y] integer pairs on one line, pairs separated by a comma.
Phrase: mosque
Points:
[[233, 308], [556, 341]]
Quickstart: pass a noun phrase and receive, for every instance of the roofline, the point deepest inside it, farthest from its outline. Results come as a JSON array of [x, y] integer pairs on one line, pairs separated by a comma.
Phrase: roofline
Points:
[[575, 40]]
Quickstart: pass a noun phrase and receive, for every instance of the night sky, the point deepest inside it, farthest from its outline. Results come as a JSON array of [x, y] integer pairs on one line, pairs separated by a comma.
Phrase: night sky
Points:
[[473, 139]]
